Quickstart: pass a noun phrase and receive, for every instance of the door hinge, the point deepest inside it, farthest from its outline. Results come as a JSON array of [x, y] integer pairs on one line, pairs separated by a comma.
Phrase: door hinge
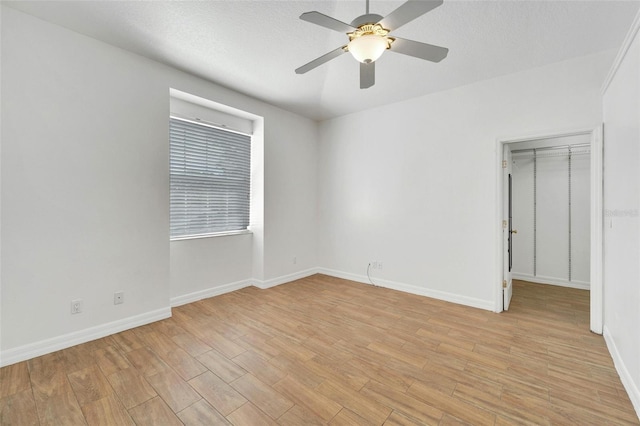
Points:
[[504, 164], [504, 224], [504, 283]]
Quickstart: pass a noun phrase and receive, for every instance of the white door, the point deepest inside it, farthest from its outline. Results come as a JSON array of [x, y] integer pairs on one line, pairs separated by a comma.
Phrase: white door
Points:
[[507, 229]]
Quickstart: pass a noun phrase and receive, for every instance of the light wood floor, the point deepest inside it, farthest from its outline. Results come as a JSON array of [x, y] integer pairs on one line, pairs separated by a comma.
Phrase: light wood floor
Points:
[[324, 350]]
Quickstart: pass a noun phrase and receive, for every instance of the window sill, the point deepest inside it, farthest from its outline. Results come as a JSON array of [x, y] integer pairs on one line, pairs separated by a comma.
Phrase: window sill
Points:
[[212, 235]]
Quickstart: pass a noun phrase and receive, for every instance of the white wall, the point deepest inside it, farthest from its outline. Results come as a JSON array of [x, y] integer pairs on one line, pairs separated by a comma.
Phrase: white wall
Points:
[[553, 211], [283, 245], [0, 184], [291, 181], [206, 267], [83, 171], [413, 184], [581, 220], [523, 217], [621, 108], [85, 189]]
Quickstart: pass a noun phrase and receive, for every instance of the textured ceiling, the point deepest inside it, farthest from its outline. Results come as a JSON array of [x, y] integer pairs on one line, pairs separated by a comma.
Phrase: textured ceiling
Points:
[[254, 46]]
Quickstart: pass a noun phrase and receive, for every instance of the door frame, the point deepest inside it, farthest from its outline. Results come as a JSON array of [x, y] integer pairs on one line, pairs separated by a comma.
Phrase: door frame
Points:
[[596, 200], [507, 235]]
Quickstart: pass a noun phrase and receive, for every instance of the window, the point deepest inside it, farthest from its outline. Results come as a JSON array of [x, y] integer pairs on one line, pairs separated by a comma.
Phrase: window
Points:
[[210, 179]]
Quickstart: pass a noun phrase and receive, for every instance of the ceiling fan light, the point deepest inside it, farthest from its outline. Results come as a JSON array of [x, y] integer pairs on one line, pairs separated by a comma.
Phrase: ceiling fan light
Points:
[[368, 48]]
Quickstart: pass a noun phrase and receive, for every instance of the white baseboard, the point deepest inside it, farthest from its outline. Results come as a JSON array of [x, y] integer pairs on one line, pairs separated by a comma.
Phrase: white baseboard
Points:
[[285, 278], [227, 288], [210, 292], [582, 285], [32, 350], [627, 381], [408, 288]]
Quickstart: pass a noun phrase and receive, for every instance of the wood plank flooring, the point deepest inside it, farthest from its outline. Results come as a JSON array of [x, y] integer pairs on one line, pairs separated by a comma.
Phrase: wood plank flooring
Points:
[[322, 350]]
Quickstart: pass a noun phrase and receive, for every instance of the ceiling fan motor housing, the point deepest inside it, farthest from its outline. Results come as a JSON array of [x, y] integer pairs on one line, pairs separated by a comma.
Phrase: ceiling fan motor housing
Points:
[[369, 40], [369, 18]]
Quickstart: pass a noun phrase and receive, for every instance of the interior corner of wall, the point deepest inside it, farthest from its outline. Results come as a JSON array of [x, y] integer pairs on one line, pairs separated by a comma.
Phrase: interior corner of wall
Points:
[[257, 199]]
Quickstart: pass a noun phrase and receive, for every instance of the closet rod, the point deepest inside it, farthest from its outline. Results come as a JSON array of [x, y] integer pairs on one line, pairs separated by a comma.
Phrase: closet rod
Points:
[[548, 148]]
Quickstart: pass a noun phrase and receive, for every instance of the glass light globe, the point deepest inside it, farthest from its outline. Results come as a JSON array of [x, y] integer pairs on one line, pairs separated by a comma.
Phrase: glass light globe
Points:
[[367, 48]]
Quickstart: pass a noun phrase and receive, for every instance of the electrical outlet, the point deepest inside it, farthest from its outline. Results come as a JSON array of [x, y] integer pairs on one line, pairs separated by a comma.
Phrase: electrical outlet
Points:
[[118, 297], [295, 260], [379, 265], [76, 306]]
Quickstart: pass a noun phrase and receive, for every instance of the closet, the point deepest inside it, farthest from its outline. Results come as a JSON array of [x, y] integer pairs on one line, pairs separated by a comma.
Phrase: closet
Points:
[[551, 211]]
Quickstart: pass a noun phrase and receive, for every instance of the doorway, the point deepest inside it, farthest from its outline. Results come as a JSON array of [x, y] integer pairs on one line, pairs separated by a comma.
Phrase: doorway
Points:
[[556, 220], [550, 180]]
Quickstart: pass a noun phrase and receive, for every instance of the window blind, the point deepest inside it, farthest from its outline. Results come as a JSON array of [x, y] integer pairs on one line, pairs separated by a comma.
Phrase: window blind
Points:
[[210, 171]]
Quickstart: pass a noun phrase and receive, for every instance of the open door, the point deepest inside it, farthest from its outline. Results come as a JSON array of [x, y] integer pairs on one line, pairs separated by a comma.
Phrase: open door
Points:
[[507, 229], [503, 298]]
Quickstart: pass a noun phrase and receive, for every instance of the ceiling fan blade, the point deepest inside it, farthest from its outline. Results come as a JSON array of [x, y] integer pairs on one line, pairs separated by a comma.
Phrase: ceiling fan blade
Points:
[[420, 50], [367, 74], [407, 12], [321, 60], [326, 21]]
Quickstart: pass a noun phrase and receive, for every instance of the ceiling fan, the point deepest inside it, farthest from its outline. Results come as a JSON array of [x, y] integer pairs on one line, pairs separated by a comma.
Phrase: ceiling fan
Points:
[[369, 38]]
